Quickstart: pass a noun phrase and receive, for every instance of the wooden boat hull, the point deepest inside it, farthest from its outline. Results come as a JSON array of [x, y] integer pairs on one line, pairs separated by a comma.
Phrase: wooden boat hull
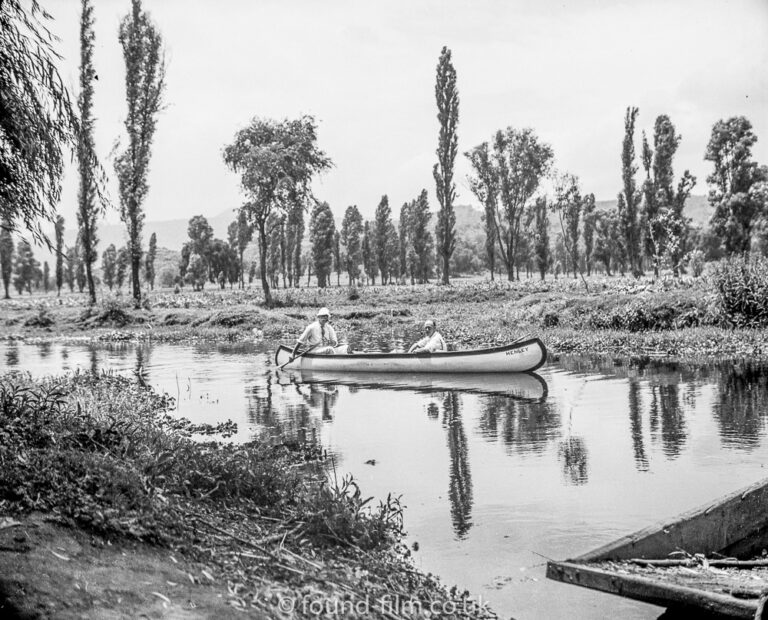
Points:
[[520, 386], [734, 526], [524, 356]]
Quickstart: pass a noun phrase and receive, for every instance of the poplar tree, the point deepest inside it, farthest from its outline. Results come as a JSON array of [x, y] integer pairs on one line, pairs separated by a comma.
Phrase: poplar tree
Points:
[[109, 265], [71, 267], [484, 185], [629, 199], [60, 256], [588, 232], [26, 268], [240, 233], [539, 216], [405, 248], [294, 235], [337, 256], [87, 208], [144, 86], [383, 219], [447, 96], [321, 234], [351, 241], [423, 243], [149, 261], [6, 254], [370, 263], [46, 276]]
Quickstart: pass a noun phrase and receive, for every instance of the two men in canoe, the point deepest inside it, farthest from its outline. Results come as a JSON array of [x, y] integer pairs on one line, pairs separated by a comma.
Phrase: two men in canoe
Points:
[[320, 337]]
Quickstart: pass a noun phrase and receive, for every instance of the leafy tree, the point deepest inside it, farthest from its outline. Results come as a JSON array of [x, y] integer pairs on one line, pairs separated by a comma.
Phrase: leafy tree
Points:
[[588, 232], [321, 233], [26, 268], [370, 262], [80, 278], [484, 186], [46, 276], [240, 233], [6, 254], [609, 242], [60, 256], [521, 161], [149, 261], [351, 240], [87, 208], [123, 263], [197, 272], [37, 120], [406, 254], [71, 267], [337, 265], [383, 219], [738, 188], [276, 162], [447, 96], [629, 199], [144, 86], [392, 251], [109, 266], [219, 260], [421, 236], [567, 205], [294, 235], [538, 215], [275, 227]]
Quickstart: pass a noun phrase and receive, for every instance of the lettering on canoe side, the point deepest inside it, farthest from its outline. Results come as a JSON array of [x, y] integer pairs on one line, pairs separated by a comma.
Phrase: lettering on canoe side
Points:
[[517, 351]]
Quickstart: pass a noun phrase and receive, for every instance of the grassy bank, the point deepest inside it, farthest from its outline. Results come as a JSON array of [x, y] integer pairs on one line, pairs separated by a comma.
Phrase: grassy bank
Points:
[[615, 316], [96, 473]]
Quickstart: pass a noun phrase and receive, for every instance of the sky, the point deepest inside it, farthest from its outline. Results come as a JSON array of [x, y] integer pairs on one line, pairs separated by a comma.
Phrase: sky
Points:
[[366, 72]]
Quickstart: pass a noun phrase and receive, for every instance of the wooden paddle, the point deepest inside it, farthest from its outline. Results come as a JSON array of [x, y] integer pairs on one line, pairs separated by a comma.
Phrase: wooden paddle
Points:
[[299, 355]]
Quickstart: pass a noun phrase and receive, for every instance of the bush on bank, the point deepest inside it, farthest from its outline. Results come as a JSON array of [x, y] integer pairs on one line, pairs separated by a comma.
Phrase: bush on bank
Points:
[[742, 289]]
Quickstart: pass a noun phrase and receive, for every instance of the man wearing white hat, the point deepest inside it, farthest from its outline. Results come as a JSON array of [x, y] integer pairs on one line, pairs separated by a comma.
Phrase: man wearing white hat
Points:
[[320, 337]]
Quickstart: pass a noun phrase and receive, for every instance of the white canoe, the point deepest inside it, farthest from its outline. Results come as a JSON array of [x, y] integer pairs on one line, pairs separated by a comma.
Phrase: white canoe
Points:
[[523, 356], [516, 385]]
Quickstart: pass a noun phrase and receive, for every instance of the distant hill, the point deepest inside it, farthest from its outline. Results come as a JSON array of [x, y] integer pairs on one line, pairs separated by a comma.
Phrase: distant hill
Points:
[[697, 208]]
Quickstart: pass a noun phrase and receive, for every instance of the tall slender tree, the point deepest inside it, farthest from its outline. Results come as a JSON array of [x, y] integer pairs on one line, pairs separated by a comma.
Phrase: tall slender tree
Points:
[[629, 200], [6, 254], [406, 255], [351, 241], [588, 232], [149, 261], [109, 265], [294, 235], [423, 242], [321, 233], [447, 96], [144, 86], [60, 256], [87, 207], [276, 163], [240, 233], [382, 238], [69, 274], [484, 185], [538, 216], [46, 276], [370, 263], [26, 268]]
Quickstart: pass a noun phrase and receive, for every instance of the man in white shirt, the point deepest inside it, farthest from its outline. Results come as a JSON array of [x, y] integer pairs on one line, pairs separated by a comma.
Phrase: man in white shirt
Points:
[[320, 337], [431, 342]]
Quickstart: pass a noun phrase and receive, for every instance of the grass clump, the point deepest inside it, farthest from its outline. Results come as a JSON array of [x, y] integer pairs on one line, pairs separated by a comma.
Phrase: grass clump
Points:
[[742, 290]]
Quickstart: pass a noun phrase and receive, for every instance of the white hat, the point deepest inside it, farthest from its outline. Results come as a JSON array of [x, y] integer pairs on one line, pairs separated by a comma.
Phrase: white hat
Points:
[[323, 312]]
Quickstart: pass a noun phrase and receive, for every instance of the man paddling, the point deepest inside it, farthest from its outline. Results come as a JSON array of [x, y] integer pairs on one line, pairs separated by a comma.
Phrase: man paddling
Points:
[[320, 337], [431, 342]]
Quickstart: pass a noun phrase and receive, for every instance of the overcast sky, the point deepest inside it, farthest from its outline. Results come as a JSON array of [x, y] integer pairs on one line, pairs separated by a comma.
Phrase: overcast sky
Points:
[[366, 72]]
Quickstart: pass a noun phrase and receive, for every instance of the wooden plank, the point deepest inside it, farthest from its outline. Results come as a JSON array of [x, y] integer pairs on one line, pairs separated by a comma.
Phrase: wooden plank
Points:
[[737, 521], [649, 590]]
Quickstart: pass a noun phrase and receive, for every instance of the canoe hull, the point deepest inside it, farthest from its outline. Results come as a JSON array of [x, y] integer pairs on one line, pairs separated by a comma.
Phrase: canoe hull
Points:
[[525, 356]]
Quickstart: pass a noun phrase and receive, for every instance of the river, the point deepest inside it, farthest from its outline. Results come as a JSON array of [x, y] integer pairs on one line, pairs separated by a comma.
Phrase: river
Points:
[[496, 473]]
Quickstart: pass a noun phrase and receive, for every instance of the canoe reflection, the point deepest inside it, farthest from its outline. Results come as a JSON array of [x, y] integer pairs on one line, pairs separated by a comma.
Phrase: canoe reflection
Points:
[[520, 386]]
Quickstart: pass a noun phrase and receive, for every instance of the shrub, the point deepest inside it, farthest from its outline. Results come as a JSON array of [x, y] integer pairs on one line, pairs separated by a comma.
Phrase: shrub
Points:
[[742, 289]]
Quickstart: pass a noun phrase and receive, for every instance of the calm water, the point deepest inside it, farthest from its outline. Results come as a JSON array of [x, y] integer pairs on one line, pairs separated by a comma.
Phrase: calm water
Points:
[[497, 473]]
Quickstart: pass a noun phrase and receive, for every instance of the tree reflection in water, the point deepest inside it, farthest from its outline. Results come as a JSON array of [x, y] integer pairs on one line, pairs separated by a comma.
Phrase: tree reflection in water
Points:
[[665, 408], [522, 425], [636, 425], [460, 485], [12, 354], [741, 408], [572, 454]]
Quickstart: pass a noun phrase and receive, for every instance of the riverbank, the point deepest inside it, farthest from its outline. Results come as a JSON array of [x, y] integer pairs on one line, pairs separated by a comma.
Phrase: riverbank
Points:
[[677, 319], [111, 507]]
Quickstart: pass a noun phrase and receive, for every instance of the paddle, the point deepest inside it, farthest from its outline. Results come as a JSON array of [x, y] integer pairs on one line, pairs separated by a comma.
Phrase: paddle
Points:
[[314, 346]]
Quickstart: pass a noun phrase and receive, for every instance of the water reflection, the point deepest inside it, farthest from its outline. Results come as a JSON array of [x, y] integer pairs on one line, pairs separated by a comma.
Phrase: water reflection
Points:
[[742, 404], [667, 419], [636, 425], [572, 453], [520, 425], [460, 486], [12, 354]]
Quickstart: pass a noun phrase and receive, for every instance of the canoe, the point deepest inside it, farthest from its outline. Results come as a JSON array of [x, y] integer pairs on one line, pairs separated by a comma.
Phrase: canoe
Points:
[[523, 356], [517, 385], [647, 565]]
